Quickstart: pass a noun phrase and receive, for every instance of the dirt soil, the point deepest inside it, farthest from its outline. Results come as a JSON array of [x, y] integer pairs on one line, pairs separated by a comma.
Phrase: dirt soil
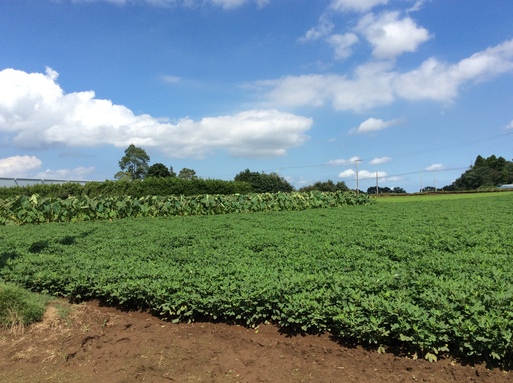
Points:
[[87, 343]]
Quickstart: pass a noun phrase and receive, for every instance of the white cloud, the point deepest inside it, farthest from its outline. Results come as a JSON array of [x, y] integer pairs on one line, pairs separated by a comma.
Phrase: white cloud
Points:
[[323, 29], [362, 174], [380, 160], [365, 175], [375, 84], [36, 113], [355, 5], [342, 161], [18, 166], [79, 173], [342, 44], [435, 167], [375, 124], [510, 125], [347, 173], [391, 36]]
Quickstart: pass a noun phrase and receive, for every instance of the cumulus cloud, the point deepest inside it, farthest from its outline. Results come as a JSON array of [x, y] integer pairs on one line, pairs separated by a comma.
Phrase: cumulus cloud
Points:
[[362, 174], [390, 35], [355, 5], [380, 160], [377, 83], [36, 113], [18, 166], [375, 124]]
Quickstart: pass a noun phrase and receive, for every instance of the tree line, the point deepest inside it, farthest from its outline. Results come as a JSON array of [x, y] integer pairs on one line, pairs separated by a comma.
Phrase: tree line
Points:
[[484, 173], [135, 165]]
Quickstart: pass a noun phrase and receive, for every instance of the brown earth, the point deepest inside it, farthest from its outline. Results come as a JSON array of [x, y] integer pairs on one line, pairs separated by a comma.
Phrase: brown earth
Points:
[[87, 343]]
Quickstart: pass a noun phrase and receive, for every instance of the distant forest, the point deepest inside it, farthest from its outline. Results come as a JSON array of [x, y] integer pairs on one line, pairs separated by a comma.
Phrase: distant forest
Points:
[[484, 173]]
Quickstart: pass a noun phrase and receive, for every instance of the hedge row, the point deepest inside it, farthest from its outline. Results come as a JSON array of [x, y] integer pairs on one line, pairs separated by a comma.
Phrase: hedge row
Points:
[[148, 187]]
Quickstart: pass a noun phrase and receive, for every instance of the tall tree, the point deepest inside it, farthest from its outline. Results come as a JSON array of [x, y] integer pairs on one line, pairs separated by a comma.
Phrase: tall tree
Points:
[[135, 162], [187, 174]]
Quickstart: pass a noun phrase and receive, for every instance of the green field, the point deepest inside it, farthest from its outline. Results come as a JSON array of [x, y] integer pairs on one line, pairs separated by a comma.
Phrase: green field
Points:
[[430, 276]]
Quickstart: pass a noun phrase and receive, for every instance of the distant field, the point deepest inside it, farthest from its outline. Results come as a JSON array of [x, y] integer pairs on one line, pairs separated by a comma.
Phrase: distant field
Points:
[[448, 196], [432, 274]]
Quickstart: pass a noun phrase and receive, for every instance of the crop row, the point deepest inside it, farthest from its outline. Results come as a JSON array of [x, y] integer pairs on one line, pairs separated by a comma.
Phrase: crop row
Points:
[[36, 209], [431, 277]]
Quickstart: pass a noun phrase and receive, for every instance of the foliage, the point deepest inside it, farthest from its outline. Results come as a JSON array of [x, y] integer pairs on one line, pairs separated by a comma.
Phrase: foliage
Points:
[[187, 174], [36, 209], [19, 307], [134, 162], [433, 286], [148, 186], [386, 190], [264, 183], [485, 173], [158, 170], [327, 186]]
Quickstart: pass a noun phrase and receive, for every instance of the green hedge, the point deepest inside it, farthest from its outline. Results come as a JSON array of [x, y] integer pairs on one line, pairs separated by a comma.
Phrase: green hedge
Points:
[[147, 187]]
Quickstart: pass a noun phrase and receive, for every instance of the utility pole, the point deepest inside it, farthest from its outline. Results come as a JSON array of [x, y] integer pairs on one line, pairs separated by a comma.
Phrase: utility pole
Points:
[[357, 188], [421, 181]]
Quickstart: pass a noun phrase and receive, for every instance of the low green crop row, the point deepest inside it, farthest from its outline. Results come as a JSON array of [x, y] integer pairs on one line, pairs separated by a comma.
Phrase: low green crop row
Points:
[[36, 209], [431, 277]]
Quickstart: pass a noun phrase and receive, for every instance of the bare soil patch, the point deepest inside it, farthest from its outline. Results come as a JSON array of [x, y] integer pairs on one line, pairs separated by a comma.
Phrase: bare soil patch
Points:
[[88, 343]]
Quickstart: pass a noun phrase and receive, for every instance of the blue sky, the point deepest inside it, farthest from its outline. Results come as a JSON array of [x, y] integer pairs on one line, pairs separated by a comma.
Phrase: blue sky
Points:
[[414, 89]]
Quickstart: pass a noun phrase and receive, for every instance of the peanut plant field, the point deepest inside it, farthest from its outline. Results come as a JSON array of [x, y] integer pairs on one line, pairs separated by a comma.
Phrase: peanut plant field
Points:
[[430, 277]]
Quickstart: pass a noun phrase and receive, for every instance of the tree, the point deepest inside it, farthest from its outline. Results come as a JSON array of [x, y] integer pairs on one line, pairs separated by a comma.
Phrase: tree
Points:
[[327, 186], [158, 170], [171, 172], [135, 162], [187, 174], [123, 176], [398, 190], [264, 183], [486, 173]]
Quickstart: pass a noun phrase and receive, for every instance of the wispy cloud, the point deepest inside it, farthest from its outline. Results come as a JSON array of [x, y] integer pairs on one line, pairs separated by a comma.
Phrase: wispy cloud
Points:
[[355, 5], [171, 79], [342, 161], [79, 173], [434, 167], [380, 160], [226, 4]]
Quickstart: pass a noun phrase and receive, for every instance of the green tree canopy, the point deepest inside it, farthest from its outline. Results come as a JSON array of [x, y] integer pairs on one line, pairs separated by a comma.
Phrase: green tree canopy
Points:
[[158, 170], [264, 183], [485, 173], [135, 162], [327, 186], [187, 174]]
